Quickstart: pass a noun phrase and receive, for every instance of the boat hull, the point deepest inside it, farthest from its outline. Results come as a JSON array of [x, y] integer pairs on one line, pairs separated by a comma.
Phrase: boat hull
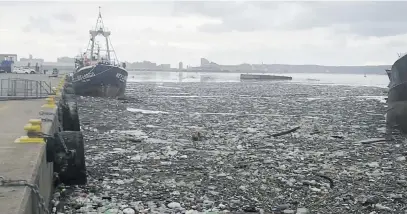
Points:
[[388, 72], [396, 115], [100, 80]]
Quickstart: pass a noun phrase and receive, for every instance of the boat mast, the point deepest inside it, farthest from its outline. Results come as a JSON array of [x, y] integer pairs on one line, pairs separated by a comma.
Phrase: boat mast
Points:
[[97, 32], [106, 34]]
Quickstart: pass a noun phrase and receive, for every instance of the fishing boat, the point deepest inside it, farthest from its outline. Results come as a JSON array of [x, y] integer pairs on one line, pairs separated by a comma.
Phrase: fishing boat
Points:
[[396, 115], [97, 74]]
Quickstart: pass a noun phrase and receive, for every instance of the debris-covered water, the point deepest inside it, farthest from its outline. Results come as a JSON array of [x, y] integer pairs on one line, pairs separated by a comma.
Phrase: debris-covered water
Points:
[[207, 147]]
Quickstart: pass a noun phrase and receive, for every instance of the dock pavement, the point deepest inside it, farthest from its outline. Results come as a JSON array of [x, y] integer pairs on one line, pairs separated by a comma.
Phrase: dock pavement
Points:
[[24, 161]]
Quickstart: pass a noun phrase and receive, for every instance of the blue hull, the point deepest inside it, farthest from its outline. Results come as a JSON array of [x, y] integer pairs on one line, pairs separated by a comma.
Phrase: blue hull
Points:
[[100, 81]]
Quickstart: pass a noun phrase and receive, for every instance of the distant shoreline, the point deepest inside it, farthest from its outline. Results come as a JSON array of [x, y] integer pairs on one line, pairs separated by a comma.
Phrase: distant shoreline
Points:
[[273, 68], [252, 72]]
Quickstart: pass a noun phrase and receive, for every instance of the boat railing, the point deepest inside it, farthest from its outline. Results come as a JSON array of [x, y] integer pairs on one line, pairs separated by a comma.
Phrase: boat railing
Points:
[[18, 88]]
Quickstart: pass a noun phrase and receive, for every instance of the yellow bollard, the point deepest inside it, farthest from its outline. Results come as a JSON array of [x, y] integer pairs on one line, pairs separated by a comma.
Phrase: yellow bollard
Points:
[[35, 122], [32, 128], [50, 103], [34, 132]]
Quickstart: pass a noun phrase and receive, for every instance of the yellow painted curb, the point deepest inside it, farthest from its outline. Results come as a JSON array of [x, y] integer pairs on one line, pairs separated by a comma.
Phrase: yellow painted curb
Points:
[[26, 139]]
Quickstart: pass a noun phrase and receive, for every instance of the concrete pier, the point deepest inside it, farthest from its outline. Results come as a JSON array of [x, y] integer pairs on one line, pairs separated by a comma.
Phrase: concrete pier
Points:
[[21, 160]]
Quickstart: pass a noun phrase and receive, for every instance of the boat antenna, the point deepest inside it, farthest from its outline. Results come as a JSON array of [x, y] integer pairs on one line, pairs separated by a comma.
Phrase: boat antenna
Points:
[[100, 30], [108, 40], [96, 28], [101, 20], [94, 33]]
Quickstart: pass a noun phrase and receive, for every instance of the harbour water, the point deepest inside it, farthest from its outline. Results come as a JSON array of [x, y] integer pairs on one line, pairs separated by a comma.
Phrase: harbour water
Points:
[[301, 78], [142, 156]]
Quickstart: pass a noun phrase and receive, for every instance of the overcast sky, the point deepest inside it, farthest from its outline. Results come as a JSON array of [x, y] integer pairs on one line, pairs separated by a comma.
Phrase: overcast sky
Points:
[[328, 33]]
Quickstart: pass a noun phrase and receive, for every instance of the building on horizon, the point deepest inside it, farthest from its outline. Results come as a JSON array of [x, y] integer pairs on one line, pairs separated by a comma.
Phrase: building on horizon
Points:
[[31, 60], [65, 59], [180, 66], [207, 65], [8, 56], [165, 66], [142, 65]]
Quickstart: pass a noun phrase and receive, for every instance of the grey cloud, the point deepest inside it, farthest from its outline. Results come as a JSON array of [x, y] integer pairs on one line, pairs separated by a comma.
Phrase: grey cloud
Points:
[[65, 17], [216, 9], [224, 11], [8, 3], [140, 8], [41, 24], [238, 16], [379, 29], [327, 13], [361, 18], [242, 25], [396, 44]]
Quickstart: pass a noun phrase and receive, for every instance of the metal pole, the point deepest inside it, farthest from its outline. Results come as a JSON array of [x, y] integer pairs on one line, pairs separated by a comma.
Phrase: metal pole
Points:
[[8, 87], [25, 83], [36, 89], [15, 88], [31, 88], [41, 88]]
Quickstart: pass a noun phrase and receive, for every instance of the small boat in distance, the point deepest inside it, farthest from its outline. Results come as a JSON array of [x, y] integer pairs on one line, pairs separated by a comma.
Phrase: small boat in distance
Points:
[[97, 75], [244, 77]]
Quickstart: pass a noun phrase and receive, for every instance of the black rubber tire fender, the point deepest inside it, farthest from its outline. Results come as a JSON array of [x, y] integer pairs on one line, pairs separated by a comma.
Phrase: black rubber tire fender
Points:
[[76, 171], [69, 90], [66, 118], [73, 112]]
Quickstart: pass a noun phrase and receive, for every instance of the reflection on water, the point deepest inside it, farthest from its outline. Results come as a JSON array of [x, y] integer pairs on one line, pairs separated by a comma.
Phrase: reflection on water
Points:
[[302, 78]]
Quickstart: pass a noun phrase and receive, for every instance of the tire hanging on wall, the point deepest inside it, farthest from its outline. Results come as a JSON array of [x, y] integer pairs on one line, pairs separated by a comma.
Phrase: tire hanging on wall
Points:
[[75, 171], [70, 121], [73, 111]]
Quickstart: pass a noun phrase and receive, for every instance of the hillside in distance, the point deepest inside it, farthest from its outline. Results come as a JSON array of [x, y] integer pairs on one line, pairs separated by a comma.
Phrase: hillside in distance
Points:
[[207, 65], [371, 69]]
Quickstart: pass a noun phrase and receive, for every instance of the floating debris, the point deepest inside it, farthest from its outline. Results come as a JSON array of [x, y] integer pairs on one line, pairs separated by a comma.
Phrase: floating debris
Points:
[[286, 132], [145, 161]]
